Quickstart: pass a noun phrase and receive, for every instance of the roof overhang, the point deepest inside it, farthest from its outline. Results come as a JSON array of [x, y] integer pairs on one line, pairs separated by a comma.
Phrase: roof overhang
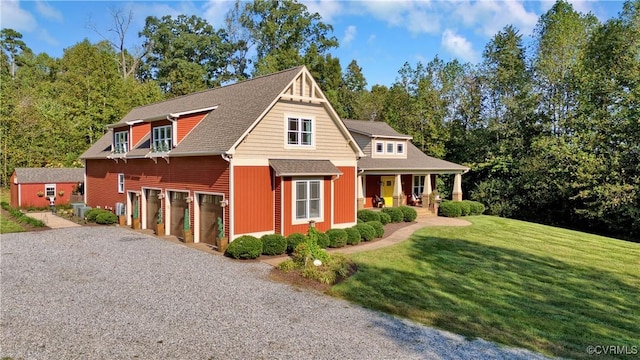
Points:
[[292, 167], [167, 116]]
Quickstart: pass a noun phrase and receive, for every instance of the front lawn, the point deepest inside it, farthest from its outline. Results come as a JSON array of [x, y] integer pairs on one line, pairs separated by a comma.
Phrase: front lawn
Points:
[[521, 284]]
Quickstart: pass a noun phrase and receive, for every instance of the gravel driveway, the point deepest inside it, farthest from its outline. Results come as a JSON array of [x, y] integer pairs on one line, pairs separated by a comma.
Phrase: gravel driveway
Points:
[[112, 293]]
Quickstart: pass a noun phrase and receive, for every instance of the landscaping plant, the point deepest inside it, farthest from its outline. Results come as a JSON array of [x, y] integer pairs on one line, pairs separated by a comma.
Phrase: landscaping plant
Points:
[[409, 214], [273, 244], [245, 247], [395, 214], [337, 238]]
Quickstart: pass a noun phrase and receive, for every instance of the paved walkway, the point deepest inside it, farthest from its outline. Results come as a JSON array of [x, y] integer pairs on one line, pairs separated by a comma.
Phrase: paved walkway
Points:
[[51, 220], [396, 237]]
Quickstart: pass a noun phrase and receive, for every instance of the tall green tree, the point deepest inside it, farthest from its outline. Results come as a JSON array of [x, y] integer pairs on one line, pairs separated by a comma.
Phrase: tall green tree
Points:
[[283, 32], [186, 54]]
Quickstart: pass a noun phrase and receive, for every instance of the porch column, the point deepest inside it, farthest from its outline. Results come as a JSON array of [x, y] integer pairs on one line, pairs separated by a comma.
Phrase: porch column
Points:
[[360, 190], [426, 192], [457, 188], [397, 191]]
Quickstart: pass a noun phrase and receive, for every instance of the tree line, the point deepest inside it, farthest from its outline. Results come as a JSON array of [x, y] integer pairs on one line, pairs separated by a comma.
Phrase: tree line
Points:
[[550, 126]]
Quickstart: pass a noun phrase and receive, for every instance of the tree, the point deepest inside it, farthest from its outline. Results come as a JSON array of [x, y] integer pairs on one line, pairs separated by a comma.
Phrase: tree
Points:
[[283, 32], [13, 46], [186, 54], [351, 91]]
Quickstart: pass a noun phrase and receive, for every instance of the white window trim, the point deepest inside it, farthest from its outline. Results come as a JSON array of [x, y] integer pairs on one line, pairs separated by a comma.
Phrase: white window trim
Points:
[[375, 148], [414, 185], [116, 141], [49, 186], [386, 148], [167, 141], [295, 220], [312, 146], [400, 145], [120, 183]]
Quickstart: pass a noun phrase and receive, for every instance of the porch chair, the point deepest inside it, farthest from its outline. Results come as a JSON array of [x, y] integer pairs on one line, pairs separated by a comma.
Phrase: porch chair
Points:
[[378, 201], [416, 200]]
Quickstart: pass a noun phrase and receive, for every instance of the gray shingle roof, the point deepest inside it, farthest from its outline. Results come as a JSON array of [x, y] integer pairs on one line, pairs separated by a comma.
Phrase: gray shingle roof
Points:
[[287, 167], [373, 129], [49, 175], [238, 106], [416, 161]]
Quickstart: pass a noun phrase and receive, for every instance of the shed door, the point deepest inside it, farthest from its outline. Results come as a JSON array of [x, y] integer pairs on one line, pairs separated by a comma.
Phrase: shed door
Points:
[[178, 207], [153, 208], [210, 212]]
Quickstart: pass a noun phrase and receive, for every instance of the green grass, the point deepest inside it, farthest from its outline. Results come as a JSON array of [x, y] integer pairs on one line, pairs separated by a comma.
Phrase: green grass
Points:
[[551, 290], [9, 226]]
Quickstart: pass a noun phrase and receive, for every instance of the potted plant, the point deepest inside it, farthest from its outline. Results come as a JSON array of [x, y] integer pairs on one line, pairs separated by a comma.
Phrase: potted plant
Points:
[[221, 242], [61, 193], [188, 235], [136, 215], [159, 224], [40, 194]]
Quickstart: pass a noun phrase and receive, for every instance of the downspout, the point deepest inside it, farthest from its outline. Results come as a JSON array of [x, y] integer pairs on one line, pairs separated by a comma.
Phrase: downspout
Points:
[[227, 157], [174, 129]]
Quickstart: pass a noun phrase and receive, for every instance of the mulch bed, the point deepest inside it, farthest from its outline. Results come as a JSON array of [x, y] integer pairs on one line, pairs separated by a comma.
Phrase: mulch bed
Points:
[[296, 279]]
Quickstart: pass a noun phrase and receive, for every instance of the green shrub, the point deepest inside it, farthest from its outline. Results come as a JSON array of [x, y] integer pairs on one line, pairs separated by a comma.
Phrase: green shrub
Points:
[[337, 238], [287, 265], [273, 244], [450, 209], [353, 236], [106, 217], [395, 214], [368, 215], [245, 247], [92, 214], [465, 208], [323, 240], [378, 227], [385, 218], [332, 269], [409, 214], [477, 208], [294, 240], [20, 217], [367, 232]]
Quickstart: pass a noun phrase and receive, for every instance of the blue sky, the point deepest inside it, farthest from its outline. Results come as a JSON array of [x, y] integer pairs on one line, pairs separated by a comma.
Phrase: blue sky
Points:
[[381, 35]]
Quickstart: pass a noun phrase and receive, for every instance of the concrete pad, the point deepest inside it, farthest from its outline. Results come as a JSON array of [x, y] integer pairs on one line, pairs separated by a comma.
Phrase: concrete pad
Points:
[[52, 220]]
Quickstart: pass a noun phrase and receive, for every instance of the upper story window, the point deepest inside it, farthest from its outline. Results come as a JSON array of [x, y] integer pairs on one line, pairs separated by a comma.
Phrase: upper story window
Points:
[[390, 148], [161, 138], [399, 148], [121, 142], [299, 131], [379, 148]]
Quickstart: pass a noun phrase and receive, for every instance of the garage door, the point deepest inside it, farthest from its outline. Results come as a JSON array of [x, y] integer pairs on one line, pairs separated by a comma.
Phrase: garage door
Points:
[[153, 208], [178, 207], [210, 211]]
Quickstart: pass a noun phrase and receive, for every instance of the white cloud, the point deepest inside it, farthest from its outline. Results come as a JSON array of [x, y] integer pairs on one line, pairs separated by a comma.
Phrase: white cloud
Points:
[[372, 39], [491, 16], [416, 16], [458, 46], [14, 17], [44, 35], [349, 34], [48, 11], [327, 9], [215, 11]]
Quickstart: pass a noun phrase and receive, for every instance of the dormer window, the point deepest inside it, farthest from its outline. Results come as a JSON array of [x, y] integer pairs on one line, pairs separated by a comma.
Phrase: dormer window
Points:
[[399, 148], [379, 148], [390, 147], [299, 131], [121, 142], [161, 139]]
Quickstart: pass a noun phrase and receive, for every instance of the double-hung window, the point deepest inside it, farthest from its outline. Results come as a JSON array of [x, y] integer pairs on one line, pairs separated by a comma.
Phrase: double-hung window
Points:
[[121, 183], [418, 184], [121, 142], [390, 147], [399, 148], [50, 190], [162, 138], [308, 203], [379, 147], [299, 131]]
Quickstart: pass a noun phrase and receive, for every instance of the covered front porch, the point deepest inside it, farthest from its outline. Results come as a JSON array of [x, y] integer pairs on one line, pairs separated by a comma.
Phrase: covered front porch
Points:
[[397, 189]]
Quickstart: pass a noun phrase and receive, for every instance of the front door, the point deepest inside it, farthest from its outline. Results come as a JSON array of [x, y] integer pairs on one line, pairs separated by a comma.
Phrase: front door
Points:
[[178, 206], [153, 208], [388, 182], [210, 212]]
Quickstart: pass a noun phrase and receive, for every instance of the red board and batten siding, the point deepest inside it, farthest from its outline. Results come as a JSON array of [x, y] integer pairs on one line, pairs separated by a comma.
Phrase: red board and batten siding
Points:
[[192, 174], [187, 123], [288, 227], [138, 132], [28, 194], [253, 200], [345, 196]]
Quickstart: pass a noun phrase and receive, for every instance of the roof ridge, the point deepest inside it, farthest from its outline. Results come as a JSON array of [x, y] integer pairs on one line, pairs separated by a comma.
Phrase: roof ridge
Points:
[[298, 68]]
